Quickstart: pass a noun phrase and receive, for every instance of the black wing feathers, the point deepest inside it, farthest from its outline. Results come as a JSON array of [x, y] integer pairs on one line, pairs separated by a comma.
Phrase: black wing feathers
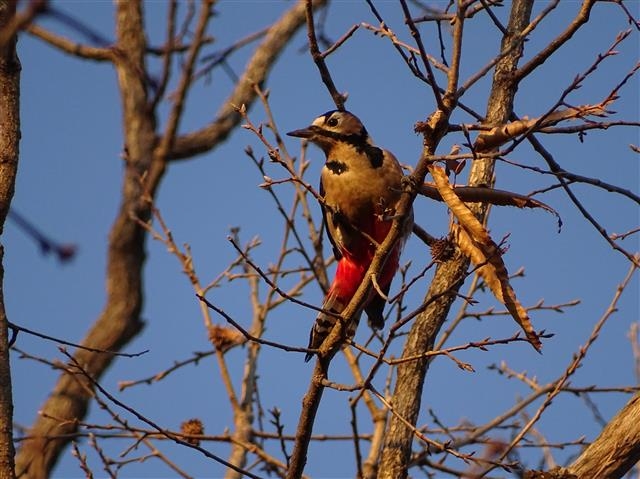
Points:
[[336, 251]]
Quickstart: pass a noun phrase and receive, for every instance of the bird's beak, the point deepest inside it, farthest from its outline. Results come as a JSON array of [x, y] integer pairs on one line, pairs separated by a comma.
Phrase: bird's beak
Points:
[[303, 133]]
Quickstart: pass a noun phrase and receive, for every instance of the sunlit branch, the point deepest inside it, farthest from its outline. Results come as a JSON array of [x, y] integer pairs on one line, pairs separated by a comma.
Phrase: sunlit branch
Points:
[[149, 422]]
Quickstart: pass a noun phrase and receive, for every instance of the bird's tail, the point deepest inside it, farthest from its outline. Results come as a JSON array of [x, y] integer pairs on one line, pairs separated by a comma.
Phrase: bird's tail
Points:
[[348, 277], [325, 322]]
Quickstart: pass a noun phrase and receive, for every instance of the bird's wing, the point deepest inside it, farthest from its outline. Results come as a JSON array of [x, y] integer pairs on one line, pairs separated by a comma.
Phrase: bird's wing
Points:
[[328, 226]]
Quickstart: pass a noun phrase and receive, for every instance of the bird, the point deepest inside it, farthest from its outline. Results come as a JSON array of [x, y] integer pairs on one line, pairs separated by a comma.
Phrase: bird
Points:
[[360, 187]]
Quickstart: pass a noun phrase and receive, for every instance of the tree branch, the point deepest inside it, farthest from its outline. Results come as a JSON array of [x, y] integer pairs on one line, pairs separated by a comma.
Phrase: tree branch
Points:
[[616, 449], [9, 154], [542, 56], [407, 395], [120, 320], [69, 47], [318, 59], [227, 118]]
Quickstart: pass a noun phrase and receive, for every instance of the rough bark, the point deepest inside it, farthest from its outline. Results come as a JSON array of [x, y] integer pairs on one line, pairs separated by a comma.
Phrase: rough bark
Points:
[[9, 152], [394, 462], [613, 453], [616, 449], [406, 399]]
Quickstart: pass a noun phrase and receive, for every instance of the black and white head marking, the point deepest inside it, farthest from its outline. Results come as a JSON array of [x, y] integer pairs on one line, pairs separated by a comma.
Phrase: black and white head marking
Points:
[[346, 127], [341, 126]]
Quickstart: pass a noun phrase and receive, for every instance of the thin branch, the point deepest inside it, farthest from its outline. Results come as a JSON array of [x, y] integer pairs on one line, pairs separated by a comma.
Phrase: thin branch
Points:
[[167, 140], [274, 286], [340, 41], [212, 60], [99, 54], [248, 335], [318, 59], [415, 33], [147, 421], [15, 327], [581, 19], [227, 118], [167, 56], [575, 363], [195, 359], [537, 146], [64, 251]]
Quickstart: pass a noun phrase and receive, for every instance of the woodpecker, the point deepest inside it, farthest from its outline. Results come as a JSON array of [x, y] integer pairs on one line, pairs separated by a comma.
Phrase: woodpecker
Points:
[[361, 187]]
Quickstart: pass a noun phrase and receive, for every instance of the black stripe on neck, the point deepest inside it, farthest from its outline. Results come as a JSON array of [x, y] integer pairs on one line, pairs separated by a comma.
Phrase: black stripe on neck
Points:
[[356, 139]]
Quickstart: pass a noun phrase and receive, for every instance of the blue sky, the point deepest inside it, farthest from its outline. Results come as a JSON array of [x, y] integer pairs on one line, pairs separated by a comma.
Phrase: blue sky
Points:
[[69, 183]]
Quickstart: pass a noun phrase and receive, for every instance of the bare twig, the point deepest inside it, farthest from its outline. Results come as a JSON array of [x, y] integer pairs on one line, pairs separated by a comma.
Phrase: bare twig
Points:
[[415, 33], [575, 363], [149, 422], [16, 327], [318, 58], [64, 251], [227, 118], [99, 54]]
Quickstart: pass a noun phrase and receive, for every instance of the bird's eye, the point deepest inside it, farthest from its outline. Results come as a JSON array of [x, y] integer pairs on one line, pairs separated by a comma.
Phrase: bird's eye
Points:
[[332, 122]]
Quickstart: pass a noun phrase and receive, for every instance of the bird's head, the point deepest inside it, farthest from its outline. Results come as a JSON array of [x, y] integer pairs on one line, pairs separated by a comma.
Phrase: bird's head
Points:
[[332, 128]]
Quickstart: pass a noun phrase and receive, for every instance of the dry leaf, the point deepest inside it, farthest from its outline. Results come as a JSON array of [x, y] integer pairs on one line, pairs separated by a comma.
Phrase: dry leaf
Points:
[[476, 243], [224, 338]]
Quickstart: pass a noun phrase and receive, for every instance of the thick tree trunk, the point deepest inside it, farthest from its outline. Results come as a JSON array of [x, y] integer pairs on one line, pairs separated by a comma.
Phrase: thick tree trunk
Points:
[[9, 151], [407, 396], [616, 450], [612, 455]]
